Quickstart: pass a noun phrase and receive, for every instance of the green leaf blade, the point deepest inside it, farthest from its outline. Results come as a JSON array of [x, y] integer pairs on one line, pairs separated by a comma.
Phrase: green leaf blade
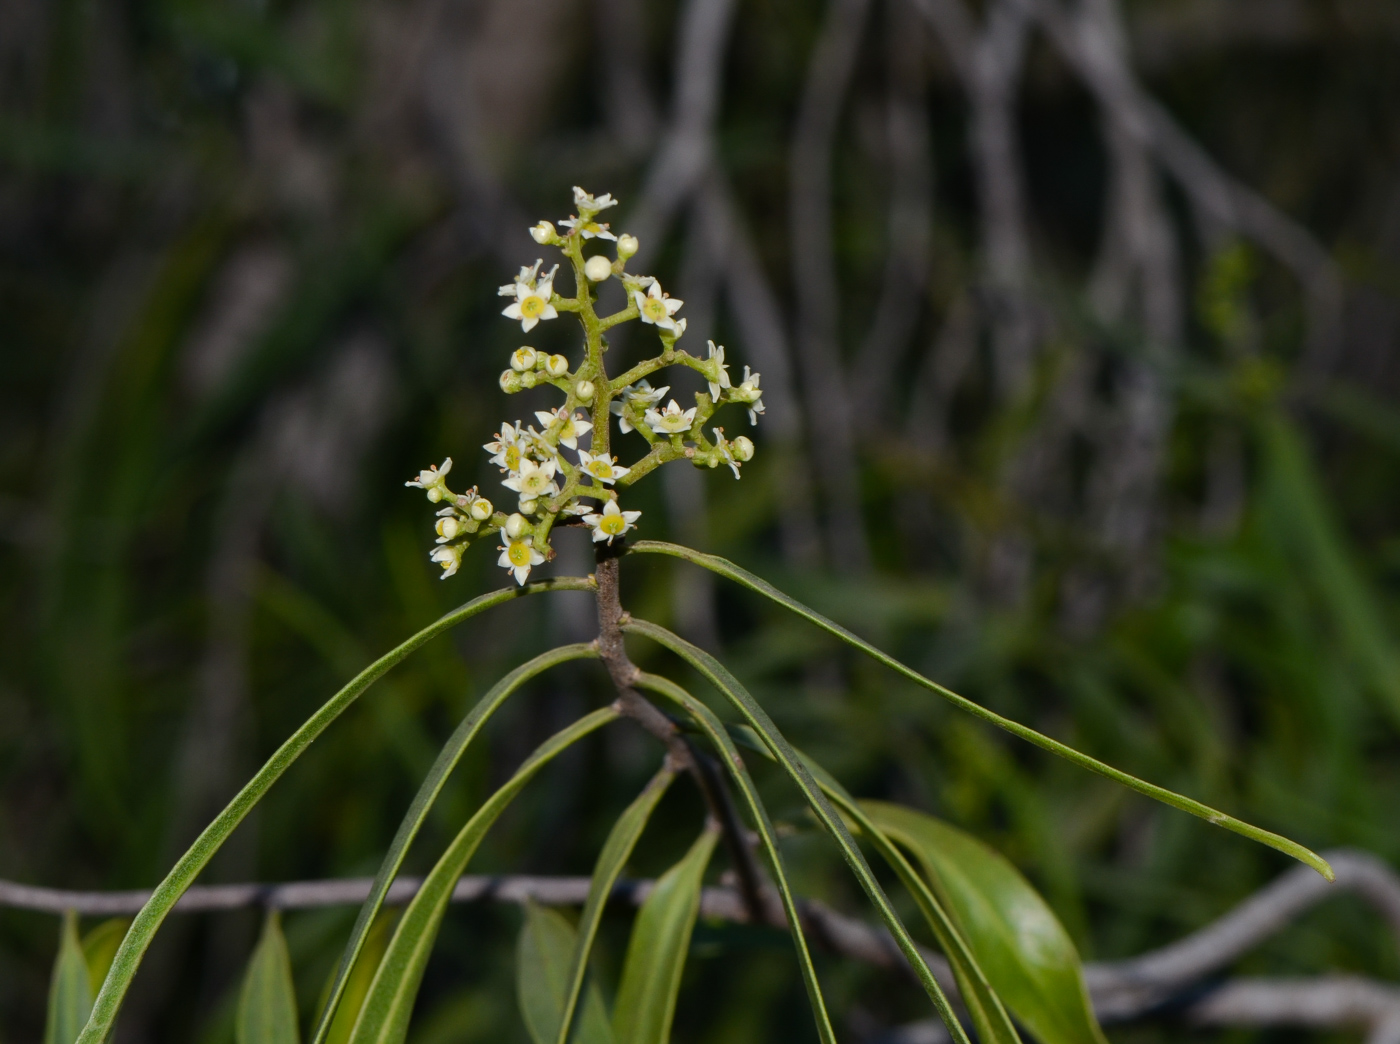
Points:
[[70, 988], [100, 946], [356, 984], [1021, 945], [267, 1006], [544, 958], [656, 953]]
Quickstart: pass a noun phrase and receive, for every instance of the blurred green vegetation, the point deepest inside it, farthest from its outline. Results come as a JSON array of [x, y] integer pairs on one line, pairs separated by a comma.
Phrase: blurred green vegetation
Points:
[[249, 254]]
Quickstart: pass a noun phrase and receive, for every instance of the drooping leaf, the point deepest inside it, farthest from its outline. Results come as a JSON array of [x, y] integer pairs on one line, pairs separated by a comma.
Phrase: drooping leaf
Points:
[[352, 997], [267, 1005], [100, 946], [1020, 944], [189, 865], [617, 849], [389, 1004], [656, 953], [70, 989], [757, 718], [417, 814], [758, 585], [543, 959], [714, 731]]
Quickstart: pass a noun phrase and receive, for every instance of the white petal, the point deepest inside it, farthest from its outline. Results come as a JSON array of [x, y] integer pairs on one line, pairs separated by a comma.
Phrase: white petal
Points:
[[511, 311], [550, 312], [529, 324]]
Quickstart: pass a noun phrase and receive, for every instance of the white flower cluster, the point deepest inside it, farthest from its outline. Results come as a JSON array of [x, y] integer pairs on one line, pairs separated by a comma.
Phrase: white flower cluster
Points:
[[554, 487]]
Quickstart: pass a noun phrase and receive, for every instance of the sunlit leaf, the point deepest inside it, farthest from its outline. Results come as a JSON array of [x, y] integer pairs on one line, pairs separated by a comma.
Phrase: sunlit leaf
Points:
[[70, 989], [543, 959], [352, 997], [100, 946], [651, 974], [267, 1006], [1020, 944]]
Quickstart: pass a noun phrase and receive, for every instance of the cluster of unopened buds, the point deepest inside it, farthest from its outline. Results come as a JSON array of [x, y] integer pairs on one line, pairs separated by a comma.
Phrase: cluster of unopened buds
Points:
[[552, 476]]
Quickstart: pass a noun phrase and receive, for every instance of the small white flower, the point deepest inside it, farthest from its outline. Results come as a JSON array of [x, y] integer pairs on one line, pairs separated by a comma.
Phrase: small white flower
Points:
[[449, 557], [716, 360], [611, 522], [481, 509], [726, 451], [749, 392], [434, 480], [627, 245], [556, 366], [543, 233], [510, 447], [531, 302], [523, 359], [743, 448], [657, 307], [597, 268], [449, 527], [640, 395], [584, 390], [528, 275], [603, 469], [573, 508], [588, 204], [584, 224], [569, 428], [673, 420], [533, 480], [519, 557], [516, 526]]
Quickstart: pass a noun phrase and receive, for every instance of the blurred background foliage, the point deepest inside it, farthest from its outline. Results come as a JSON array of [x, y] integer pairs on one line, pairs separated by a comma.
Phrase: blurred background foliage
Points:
[[1104, 456]]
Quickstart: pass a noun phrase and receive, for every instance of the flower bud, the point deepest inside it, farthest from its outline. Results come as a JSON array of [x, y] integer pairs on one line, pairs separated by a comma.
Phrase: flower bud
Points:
[[481, 509], [597, 268], [527, 507], [556, 366], [516, 526], [742, 448], [523, 359], [626, 245], [510, 382], [543, 233], [530, 379], [584, 390], [449, 527]]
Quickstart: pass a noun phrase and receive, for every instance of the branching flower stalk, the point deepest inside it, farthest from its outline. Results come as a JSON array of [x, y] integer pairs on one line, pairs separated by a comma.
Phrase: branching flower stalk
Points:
[[548, 484]]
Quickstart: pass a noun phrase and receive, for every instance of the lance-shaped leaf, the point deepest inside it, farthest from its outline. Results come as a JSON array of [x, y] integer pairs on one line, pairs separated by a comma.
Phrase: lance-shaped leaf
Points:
[[757, 718], [70, 989], [100, 946], [715, 732], [189, 865], [387, 1008], [656, 953], [352, 998], [267, 1006], [758, 585], [617, 849], [1025, 951], [417, 814], [543, 960]]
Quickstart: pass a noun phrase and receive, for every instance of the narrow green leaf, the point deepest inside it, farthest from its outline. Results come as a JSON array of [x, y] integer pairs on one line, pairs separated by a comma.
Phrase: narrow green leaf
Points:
[[715, 732], [758, 585], [267, 1007], [656, 953], [544, 959], [719, 676], [1026, 952], [617, 849], [100, 946], [352, 998], [389, 1004], [189, 865], [417, 814], [70, 989]]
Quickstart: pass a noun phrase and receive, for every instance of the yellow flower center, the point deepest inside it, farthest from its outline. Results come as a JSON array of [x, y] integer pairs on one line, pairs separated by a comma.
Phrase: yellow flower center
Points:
[[532, 306], [613, 525], [535, 483], [654, 308], [513, 458], [600, 469], [518, 553]]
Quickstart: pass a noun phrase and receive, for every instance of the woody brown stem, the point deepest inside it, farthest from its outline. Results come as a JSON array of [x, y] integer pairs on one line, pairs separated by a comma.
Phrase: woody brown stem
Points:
[[681, 750]]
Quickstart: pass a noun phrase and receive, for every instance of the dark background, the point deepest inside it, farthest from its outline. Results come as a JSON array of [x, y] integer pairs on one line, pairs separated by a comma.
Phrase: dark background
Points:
[[1081, 398]]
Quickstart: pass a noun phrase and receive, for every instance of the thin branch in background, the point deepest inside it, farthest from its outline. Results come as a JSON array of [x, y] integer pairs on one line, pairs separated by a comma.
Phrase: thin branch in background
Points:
[[829, 406], [908, 225]]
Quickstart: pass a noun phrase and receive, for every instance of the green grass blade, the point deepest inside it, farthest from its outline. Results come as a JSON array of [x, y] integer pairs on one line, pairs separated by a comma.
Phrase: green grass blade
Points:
[[1028, 956], [356, 984], [70, 989], [384, 1017], [100, 946], [267, 1007], [417, 813], [756, 584], [660, 943], [617, 849], [729, 686], [715, 732], [543, 961], [187, 868]]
